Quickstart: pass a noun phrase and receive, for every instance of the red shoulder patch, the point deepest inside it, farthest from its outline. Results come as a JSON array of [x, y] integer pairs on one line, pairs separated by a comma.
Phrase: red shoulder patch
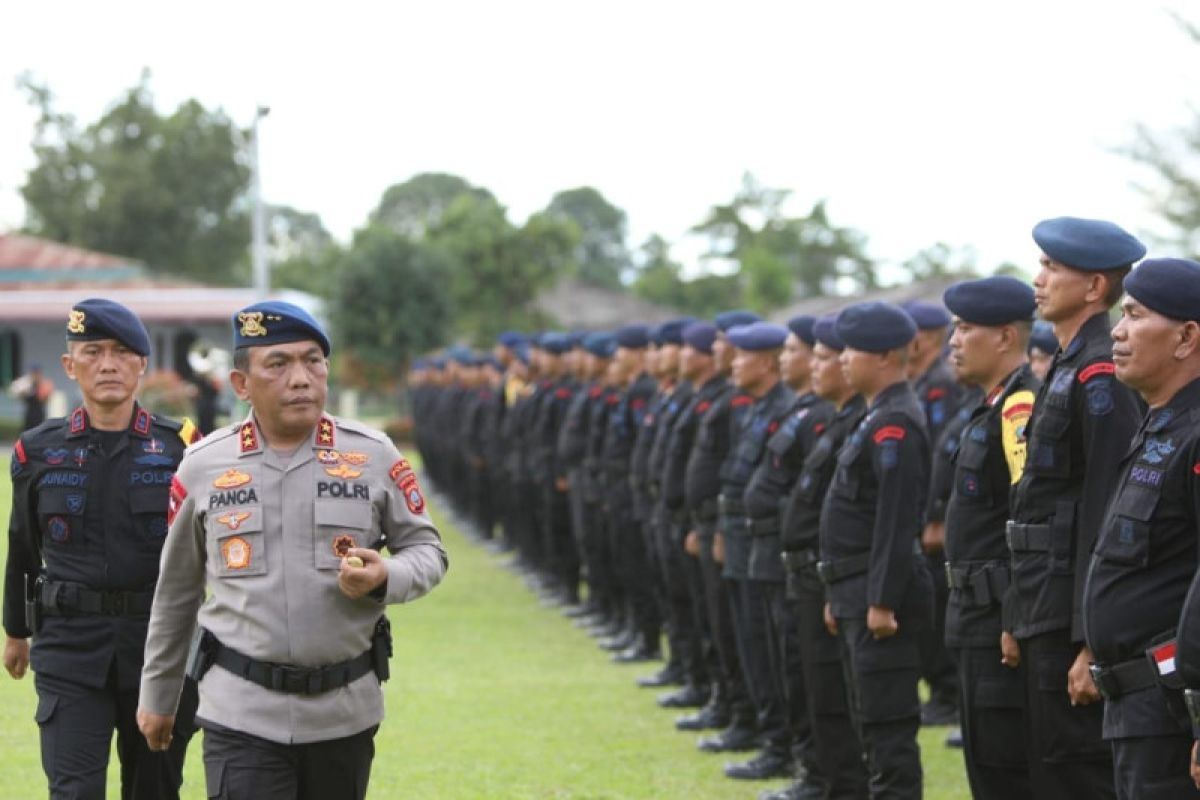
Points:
[[936, 393], [888, 432], [774, 426], [563, 393], [1101, 368], [1196, 469], [595, 391], [742, 400], [1018, 409], [819, 427], [638, 403], [175, 499], [19, 450], [612, 399], [703, 406]]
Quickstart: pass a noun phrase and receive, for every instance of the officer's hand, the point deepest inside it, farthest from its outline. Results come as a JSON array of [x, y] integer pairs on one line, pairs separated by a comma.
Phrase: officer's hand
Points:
[[882, 622], [16, 656], [933, 538], [1010, 651], [157, 728], [562, 484], [830, 621], [355, 582], [1080, 686], [691, 544], [719, 548], [1195, 768]]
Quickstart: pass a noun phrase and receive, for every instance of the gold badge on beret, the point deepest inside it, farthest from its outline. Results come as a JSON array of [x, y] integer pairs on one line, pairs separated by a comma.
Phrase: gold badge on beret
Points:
[[252, 323], [75, 322]]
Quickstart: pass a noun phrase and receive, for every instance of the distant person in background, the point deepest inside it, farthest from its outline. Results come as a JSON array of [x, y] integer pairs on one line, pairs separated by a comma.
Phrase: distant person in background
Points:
[[205, 388], [1042, 347], [32, 389]]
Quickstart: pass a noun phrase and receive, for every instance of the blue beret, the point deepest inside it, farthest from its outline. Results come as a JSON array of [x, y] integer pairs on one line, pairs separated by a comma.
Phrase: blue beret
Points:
[[672, 332], [727, 319], [875, 327], [1087, 244], [825, 332], [521, 352], [656, 334], [928, 316], [700, 336], [1169, 286], [600, 344], [97, 318], [634, 336], [998, 300], [802, 326], [1042, 337], [758, 336], [511, 338], [276, 322], [555, 342], [577, 337]]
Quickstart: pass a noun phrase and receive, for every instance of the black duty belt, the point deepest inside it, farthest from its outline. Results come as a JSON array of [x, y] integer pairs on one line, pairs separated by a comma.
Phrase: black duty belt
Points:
[[731, 506], [1032, 538], [706, 511], [839, 569], [59, 598], [288, 678], [797, 560], [979, 583], [1120, 679], [765, 526]]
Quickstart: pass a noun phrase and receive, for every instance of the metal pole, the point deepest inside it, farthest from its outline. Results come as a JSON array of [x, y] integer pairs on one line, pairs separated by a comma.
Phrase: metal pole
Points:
[[258, 246]]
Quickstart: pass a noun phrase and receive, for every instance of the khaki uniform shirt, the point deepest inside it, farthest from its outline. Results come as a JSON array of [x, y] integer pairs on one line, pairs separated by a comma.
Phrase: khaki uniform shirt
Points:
[[264, 534]]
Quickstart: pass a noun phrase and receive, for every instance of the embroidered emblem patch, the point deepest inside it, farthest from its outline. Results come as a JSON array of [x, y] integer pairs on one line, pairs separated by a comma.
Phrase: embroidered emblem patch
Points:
[[74, 503], [153, 460], [154, 447], [342, 544], [80, 456], [252, 323], [53, 455], [59, 530], [249, 437], [325, 432], [1102, 368], [175, 499], [235, 551], [328, 456], [231, 479], [412, 493], [1146, 476], [888, 432], [354, 457], [343, 471], [399, 468], [75, 321], [141, 422], [889, 453], [234, 519], [1156, 450], [1099, 397]]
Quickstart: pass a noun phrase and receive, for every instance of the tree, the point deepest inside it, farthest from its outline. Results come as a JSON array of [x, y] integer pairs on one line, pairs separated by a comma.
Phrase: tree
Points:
[[417, 206], [940, 260], [304, 255], [391, 301], [166, 190], [601, 256], [658, 277]]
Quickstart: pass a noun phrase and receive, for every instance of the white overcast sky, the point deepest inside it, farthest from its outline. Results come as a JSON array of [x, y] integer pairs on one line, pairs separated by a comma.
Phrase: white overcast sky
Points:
[[919, 121]]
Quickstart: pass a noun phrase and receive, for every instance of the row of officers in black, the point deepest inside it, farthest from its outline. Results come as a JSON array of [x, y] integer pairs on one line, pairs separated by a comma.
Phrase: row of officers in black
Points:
[[773, 498]]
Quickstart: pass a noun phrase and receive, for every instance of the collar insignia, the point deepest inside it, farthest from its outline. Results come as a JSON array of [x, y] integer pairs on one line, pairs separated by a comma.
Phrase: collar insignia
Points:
[[325, 432], [249, 437]]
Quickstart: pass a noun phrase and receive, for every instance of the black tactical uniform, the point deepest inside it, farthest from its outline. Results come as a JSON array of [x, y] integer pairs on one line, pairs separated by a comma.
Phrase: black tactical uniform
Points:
[[1139, 576], [570, 450], [992, 697], [560, 559], [870, 556], [1082, 422], [89, 517], [838, 752]]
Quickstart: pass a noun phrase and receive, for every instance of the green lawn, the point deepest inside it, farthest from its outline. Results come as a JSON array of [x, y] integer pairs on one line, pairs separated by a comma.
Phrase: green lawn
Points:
[[493, 696]]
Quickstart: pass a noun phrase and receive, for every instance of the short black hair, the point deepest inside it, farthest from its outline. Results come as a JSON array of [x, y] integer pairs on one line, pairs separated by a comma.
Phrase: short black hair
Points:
[[241, 359]]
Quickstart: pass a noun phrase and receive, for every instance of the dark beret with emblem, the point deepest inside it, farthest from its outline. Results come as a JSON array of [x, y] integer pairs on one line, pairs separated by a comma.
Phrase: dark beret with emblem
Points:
[[555, 343], [875, 327], [997, 300], [825, 332], [802, 326], [1042, 337], [633, 336], [511, 338], [1169, 286], [276, 322], [600, 344], [758, 336], [672, 332], [728, 319], [700, 336], [97, 318], [928, 316], [1091, 245]]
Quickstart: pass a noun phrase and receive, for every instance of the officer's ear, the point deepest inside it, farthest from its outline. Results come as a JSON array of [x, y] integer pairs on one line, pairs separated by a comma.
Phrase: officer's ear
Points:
[[1189, 340], [238, 379]]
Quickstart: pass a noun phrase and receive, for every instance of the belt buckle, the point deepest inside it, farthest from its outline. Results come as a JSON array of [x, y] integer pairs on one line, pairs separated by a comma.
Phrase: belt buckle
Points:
[[116, 602], [287, 679], [1100, 676], [825, 570]]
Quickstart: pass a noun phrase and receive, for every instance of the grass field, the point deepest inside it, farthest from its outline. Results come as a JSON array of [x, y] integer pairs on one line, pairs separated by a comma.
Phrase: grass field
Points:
[[493, 696]]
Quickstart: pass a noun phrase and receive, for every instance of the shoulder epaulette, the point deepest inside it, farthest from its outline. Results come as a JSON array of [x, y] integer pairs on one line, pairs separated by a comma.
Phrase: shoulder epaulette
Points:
[[218, 435]]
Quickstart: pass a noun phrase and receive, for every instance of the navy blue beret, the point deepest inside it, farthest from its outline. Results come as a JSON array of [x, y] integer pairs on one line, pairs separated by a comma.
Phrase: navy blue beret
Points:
[[728, 319], [600, 344], [875, 327], [577, 337], [825, 332], [802, 326], [1087, 244], [276, 322], [1042, 337], [758, 336], [998, 300], [555, 343], [97, 318], [522, 353], [655, 332], [633, 336], [1170, 286], [700, 336], [672, 332], [511, 338], [460, 354], [928, 316]]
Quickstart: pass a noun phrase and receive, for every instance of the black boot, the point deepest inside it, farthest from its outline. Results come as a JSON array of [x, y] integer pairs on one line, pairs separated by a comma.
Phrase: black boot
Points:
[[768, 764], [688, 696]]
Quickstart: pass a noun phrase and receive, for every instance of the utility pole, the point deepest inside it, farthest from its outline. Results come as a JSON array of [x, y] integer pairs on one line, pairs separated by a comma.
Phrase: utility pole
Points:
[[258, 245]]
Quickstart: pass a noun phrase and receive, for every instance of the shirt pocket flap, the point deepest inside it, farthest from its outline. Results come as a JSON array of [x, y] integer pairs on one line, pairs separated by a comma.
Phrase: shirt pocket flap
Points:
[[342, 513], [149, 501]]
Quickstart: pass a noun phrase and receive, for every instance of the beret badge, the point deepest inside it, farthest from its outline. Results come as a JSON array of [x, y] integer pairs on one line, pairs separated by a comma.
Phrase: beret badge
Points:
[[252, 323], [75, 322]]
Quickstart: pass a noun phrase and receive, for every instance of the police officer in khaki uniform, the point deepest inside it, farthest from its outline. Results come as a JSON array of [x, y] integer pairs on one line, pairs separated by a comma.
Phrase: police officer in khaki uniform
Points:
[[282, 518]]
